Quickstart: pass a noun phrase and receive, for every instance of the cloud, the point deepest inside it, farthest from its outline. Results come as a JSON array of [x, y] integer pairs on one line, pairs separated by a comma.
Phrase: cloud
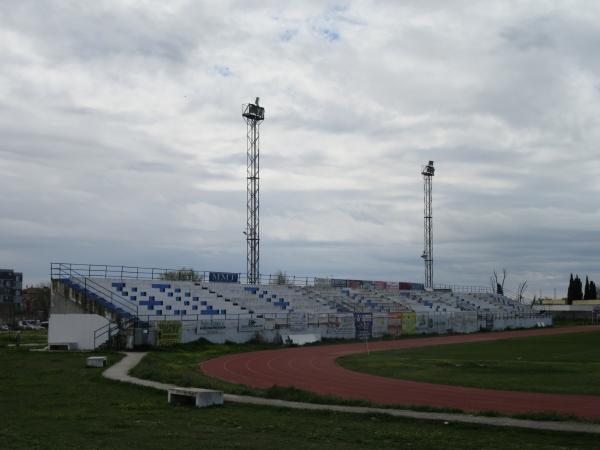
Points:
[[122, 142]]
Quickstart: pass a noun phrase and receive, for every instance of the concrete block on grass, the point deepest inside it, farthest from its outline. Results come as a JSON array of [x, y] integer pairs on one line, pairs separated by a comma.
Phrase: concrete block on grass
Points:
[[199, 397], [96, 361]]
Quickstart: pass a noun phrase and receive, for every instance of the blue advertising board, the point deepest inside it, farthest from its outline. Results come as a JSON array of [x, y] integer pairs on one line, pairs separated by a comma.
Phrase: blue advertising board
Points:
[[223, 277]]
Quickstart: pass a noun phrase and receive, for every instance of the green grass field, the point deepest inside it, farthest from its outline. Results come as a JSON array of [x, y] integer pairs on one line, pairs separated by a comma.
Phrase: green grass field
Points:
[[38, 337], [51, 401], [567, 364]]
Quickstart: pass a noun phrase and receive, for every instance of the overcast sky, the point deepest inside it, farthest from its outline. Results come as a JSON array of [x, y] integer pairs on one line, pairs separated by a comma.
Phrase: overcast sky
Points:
[[122, 141]]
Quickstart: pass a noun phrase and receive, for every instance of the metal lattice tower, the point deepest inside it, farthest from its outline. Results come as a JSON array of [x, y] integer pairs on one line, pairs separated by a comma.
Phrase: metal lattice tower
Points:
[[428, 172], [253, 115]]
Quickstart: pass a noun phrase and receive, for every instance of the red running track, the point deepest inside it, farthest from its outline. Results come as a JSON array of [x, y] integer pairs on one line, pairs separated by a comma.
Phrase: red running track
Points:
[[314, 369]]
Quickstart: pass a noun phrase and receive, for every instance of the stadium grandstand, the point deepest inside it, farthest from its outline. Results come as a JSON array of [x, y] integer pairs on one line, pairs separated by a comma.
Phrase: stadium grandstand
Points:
[[101, 305]]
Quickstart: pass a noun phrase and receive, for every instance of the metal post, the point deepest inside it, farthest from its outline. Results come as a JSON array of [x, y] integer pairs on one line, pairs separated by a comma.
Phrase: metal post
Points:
[[428, 172], [253, 115]]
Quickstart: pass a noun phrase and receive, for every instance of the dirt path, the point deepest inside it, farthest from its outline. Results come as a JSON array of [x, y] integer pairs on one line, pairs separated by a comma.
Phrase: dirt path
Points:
[[314, 369]]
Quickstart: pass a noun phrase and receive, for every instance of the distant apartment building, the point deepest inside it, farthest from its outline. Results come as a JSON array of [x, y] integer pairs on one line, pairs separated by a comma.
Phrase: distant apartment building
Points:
[[11, 285]]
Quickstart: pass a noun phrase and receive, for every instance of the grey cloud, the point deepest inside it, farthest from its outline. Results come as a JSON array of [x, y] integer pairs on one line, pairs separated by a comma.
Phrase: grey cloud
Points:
[[122, 139]]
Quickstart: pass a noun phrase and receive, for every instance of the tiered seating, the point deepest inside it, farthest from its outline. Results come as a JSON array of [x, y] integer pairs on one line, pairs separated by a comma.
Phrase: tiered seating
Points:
[[446, 301], [216, 300], [154, 299]]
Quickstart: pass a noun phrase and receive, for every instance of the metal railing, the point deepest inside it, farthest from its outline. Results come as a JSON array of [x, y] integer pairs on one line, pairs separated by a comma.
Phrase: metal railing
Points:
[[105, 330], [71, 273], [166, 274], [464, 289]]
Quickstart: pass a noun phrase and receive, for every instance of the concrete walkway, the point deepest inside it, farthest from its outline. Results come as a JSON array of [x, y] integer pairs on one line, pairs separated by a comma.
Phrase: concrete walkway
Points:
[[120, 372]]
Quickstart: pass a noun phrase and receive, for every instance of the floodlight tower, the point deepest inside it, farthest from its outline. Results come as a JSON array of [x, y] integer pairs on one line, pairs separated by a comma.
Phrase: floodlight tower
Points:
[[428, 172], [253, 115]]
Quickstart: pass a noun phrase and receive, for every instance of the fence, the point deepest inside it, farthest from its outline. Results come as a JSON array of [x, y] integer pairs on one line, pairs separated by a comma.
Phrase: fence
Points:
[[61, 270], [243, 327]]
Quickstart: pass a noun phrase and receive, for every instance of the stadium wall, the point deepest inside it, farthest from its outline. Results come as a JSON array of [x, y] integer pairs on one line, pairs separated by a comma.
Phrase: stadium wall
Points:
[[348, 326]]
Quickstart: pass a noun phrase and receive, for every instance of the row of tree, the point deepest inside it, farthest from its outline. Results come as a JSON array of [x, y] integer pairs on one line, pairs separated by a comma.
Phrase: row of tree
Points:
[[578, 291]]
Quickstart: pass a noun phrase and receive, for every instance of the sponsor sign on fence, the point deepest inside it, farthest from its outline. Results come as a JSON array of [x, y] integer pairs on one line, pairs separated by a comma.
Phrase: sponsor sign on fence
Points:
[[169, 332], [363, 325], [251, 325], [223, 277], [338, 283], [298, 321], [322, 282], [395, 324], [596, 314], [270, 323], [211, 324], [354, 284], [379, 325], [423, 323], [342, 326], [409, 323]]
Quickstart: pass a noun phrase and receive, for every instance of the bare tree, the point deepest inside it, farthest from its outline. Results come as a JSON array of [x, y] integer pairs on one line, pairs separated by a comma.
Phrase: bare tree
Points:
[[521, 290], [497, 281]]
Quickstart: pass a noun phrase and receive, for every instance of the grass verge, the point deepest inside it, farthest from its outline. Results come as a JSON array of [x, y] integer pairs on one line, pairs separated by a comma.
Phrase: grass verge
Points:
[[562, 364], [51, 401], [28, 337], [180, 365]]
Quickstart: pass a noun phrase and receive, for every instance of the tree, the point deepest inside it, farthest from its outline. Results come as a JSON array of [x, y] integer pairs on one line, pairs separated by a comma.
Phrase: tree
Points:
[[586, 290], [593, 291], [570, 291], [182, 274], [521, 290], [577, 289], [280, 278], [36, 301], [497, 281]]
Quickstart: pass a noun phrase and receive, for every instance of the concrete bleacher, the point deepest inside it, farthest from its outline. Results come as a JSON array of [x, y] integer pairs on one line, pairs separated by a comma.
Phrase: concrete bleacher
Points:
[[147, 308], [181, 299], [443, 301], [158, 299]]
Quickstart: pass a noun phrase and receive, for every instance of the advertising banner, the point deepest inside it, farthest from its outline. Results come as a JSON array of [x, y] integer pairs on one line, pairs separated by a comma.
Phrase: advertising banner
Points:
[[250, 325], [380, 285], [322, 282], [223, 277], [363, 325], [342, 326], [369, 285], [211, 324], [424, 323], [395, 324], [354, 284], [168, 332], [205, 327], [379, 325], [338, 283], [409, 323], [270, 324], [298, 321]]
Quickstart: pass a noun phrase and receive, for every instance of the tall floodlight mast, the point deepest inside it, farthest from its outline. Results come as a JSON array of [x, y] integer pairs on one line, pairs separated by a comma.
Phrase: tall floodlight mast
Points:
[[253, 115], [428, 172]]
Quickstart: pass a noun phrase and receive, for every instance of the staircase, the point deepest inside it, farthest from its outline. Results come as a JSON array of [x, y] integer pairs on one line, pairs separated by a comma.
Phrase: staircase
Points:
[[94, 298]]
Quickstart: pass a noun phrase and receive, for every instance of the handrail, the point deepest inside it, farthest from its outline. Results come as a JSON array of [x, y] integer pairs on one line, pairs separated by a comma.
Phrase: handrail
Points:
[[89, 284], [110, 330], [104, 329], [154, 273]]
